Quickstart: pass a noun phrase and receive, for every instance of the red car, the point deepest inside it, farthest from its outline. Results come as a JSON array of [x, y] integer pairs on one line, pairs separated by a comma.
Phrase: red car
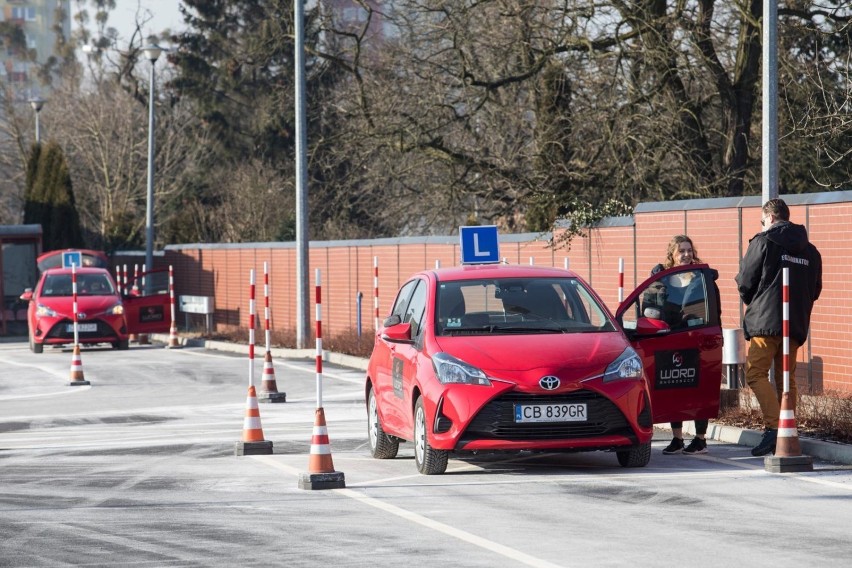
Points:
[[509, 358], [104, 316]]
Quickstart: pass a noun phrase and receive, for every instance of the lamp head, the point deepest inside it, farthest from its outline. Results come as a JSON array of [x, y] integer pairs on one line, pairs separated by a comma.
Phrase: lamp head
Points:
[[152, 52], [37, 103]]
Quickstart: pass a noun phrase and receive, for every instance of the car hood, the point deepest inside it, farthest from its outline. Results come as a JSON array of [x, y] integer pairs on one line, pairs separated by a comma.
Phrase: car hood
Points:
[[526, 358], [89, 305]]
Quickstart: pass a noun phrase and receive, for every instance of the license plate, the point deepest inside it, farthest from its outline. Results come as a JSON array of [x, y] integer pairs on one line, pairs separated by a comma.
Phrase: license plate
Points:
[[83, 327], [550, 413]]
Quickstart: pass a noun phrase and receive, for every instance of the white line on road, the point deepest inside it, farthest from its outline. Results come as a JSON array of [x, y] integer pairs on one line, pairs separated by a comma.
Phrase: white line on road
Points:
[[465, 536]]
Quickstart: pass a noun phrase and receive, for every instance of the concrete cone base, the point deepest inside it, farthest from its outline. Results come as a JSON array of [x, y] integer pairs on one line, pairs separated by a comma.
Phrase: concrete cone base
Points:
[[271, 396], [312, 481], [788, 464], [253, 448]]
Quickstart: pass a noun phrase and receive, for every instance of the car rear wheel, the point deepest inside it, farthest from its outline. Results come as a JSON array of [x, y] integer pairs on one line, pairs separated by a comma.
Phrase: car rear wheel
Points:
[[123, 344], [637, 456], [382, 446], [429, 460]]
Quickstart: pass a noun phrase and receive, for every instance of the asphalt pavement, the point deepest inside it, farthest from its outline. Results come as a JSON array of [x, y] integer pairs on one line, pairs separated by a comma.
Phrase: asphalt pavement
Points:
[[820, 449]]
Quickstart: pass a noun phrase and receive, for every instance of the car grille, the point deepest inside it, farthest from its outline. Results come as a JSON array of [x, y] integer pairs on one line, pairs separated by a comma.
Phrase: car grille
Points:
[[497, 419], [58, 331]]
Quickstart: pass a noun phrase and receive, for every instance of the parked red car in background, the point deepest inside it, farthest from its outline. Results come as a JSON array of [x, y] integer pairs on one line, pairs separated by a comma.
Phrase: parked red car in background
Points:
[[105, 313]]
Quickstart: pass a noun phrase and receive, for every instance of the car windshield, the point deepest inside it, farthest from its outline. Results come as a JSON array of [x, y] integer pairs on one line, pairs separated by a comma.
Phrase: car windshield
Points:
[[518, 306], [87, 285]]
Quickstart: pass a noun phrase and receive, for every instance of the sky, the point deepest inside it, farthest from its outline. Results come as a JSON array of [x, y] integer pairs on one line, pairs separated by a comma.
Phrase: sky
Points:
[[160, 14]]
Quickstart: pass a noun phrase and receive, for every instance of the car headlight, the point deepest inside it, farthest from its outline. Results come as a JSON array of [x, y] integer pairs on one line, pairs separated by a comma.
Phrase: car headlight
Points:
[[43, 311], [116, 310], [450, 370], [628, 365]]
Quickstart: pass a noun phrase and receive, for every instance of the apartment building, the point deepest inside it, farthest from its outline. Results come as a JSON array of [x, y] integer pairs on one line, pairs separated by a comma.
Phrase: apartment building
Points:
[[37, 19]]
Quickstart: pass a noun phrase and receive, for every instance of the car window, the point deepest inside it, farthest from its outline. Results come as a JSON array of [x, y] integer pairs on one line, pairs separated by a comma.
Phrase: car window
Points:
[[518, 305], [400, 305], [678, 299], [416, 308], [94, 285], [57, 285]]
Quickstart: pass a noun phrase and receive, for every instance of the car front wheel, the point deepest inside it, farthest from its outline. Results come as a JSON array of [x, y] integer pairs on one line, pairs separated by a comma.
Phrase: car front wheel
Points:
[[382, 446], [36, 347], [429, 460], [637, 456]]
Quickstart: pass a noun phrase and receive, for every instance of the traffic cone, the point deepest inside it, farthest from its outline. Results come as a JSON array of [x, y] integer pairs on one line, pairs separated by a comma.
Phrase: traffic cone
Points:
[[77, 378], [321, 474], [788, 452], [173, 336], [268, 387], [252, 442]]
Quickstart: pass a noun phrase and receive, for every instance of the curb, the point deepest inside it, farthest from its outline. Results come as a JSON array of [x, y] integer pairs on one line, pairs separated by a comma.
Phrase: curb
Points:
[[820, 449]]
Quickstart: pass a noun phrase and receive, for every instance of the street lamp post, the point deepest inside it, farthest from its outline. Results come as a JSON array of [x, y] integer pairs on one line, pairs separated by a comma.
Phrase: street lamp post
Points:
[[152, 52], [37, 103]]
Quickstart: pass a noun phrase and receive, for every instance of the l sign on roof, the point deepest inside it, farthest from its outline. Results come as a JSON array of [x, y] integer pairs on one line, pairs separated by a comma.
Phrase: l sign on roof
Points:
[[72, 258], [479, 245]]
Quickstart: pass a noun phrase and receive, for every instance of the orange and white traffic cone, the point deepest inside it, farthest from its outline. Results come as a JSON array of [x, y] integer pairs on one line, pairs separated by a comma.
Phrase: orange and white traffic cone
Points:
[[787, 443], [252, 442], [268, 387], [173, 336], [788, 452], [77, 377], [321, 474]]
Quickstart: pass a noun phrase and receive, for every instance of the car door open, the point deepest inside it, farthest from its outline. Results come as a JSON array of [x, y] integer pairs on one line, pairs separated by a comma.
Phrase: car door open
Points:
[[673, 321]]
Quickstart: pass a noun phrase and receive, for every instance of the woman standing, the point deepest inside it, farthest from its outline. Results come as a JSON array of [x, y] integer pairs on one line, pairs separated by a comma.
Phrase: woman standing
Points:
[[681, 252]]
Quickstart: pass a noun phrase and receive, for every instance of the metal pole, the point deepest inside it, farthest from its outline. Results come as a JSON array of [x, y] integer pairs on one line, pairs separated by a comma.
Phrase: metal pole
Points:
[[149, 210], [770, 101], [302, 320], [38, 132]]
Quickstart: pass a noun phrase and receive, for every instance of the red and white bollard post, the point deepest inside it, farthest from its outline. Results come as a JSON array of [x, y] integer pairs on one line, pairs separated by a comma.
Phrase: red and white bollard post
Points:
[[77, 377], [253, 442], [788, 452], [173, 336], [376, 290], [620, 280], [268, 386], [321, 474]]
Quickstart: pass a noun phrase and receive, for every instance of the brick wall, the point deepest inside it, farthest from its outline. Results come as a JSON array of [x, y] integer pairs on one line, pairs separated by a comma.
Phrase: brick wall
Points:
[[720, 229]]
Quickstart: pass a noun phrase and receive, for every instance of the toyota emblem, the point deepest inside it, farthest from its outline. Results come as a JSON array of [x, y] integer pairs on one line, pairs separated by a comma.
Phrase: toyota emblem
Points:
[[549, 382], [81, 316]]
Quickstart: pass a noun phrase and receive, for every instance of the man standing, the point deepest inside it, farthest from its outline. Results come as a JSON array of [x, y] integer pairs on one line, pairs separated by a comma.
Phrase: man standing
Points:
[[781, 244]]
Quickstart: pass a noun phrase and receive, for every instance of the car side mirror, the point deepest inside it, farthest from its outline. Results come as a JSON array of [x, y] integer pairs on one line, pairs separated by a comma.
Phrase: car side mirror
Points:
[[651, 326], [392, 320], [398, 333], [27, 295]]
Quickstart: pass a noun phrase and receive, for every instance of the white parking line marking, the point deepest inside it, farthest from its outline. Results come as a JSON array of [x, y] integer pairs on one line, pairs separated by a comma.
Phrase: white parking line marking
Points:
[[459, 534]]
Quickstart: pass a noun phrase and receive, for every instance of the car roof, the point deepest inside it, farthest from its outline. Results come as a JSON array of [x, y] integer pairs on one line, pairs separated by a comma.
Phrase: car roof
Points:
[[478, 271], [80, 270]]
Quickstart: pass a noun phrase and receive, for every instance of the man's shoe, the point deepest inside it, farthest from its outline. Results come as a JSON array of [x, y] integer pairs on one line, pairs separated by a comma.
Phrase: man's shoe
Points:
[[767, 443], [675, 447], [696, 446]]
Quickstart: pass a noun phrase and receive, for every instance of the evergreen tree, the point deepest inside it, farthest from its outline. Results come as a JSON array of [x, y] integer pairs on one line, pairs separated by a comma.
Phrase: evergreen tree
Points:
[[50, 198]]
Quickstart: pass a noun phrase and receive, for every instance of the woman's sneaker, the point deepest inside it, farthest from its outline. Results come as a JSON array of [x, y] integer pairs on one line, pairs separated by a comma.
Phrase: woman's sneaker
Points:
[[675, 447], [696, 446]]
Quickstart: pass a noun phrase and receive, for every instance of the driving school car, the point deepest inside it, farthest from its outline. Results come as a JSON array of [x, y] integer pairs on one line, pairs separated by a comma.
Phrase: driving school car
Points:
[[487, 358], [104, 315]]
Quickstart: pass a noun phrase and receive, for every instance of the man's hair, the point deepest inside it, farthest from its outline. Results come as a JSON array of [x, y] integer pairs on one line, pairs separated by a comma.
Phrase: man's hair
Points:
[[778, 208]]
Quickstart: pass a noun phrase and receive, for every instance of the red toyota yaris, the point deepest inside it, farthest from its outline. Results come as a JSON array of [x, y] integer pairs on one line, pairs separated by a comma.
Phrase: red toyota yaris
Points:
[[508, 358], [100, 311]]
